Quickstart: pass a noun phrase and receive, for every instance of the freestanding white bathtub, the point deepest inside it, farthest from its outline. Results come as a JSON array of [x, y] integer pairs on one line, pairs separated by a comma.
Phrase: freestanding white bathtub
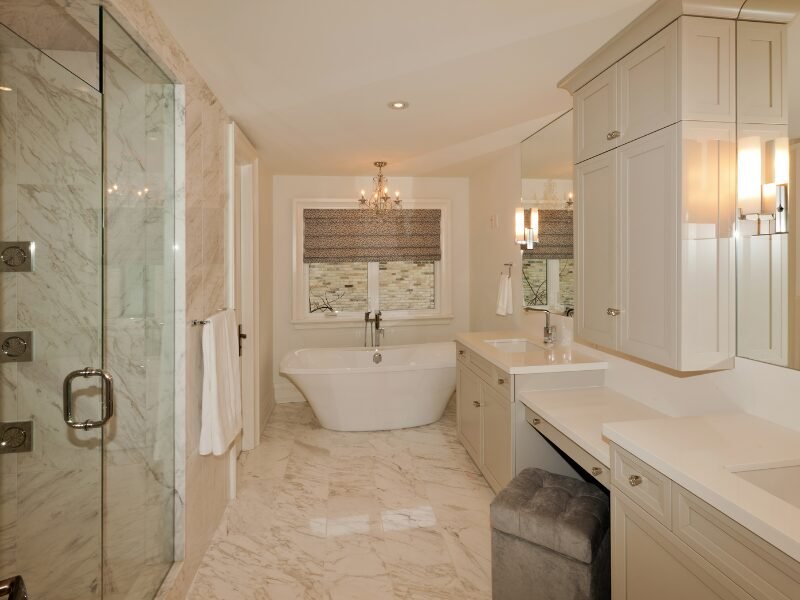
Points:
[[349, 391]]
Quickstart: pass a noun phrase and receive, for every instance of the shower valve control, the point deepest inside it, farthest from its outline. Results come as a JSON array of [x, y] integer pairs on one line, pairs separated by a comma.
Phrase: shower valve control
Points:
[[16, 257], [16, 346]]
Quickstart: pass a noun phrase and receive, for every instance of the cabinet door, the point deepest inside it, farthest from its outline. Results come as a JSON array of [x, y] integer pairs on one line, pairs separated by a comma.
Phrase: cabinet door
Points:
[[708, 69], [707, 263], [496, 438], [468, 407], [649, 563], [596, 123], [648, 206], [761, 61], [648, 86], [596, 250]]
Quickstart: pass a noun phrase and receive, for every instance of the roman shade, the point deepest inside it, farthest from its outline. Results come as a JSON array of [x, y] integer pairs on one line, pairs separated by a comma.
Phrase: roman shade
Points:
[[555, 235], [360, 235]]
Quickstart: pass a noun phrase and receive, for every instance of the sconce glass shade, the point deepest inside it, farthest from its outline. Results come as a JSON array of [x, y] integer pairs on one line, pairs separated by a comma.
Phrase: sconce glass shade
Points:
[[519, 226], [535, 225], [749, 187]]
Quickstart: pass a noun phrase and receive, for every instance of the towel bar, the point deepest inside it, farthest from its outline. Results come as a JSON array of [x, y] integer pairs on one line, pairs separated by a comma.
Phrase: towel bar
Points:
[[196, 322]]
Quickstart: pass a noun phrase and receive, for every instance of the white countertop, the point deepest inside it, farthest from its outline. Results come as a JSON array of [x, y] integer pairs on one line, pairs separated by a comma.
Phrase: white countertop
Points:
[[700, 453], [580, 414], [548, 359]]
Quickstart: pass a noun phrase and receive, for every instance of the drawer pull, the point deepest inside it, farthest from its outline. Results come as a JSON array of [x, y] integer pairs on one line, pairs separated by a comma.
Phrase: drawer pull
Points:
[[613, 312], [500, 381], [597, 471], [536, 420], [476, 404], [461, 353], [635, 480], [612, 135]]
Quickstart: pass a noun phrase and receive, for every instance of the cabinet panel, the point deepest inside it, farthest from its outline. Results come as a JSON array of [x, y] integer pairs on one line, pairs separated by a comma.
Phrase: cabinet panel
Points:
[[596, 116], [707, 267], [648, 206], [468, 394], [596, 249], [648, 86], [761, 63], [708, 69], [496, 438], [649, 563]]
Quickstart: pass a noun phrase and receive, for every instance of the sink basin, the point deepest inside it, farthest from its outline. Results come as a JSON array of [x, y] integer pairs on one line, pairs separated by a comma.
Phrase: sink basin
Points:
[[783, 482], [514, 345]]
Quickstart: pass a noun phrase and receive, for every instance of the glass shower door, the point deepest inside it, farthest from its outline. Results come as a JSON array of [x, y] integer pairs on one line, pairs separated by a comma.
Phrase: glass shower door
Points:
[[51, 323]]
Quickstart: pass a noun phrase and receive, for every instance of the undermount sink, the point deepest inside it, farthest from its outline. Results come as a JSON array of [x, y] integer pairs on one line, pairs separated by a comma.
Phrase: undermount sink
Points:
[[783, 482], [514, 345]]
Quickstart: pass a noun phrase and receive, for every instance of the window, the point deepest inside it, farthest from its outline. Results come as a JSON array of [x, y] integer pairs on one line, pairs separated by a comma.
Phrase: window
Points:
[[549, 282], [355, 261]]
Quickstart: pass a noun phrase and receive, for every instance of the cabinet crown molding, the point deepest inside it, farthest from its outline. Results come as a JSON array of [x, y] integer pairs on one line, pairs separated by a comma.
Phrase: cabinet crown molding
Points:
[[661, 14]]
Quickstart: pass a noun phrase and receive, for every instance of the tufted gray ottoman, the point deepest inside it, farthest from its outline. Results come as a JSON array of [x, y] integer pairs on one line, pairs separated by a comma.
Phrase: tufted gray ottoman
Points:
[[550, 539]]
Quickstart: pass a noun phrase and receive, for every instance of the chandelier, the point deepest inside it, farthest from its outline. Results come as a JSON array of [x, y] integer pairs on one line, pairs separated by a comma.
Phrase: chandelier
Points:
[[380, 199]]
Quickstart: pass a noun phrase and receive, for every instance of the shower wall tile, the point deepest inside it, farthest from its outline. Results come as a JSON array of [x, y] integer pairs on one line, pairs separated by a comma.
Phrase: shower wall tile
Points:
[[59, 516]]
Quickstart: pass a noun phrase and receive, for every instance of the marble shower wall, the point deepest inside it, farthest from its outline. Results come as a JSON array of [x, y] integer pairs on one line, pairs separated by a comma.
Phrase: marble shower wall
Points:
[[50, 193]]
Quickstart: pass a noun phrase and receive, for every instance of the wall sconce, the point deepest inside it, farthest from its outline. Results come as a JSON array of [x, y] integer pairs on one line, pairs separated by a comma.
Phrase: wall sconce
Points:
[[526, 230], [763, 188]]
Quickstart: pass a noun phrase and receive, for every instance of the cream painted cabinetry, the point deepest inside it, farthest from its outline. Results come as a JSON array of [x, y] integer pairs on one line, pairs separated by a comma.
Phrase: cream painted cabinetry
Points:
[[667, 543], [596, 116], [655, 212], [761, 62], [485, 416]]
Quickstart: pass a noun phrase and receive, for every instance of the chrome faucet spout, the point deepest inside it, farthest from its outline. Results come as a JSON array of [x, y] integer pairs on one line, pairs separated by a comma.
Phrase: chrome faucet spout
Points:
[[549, 330]]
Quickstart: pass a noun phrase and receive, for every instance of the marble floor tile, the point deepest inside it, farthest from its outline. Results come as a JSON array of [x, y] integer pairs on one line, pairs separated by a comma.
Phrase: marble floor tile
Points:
[[327, 515]]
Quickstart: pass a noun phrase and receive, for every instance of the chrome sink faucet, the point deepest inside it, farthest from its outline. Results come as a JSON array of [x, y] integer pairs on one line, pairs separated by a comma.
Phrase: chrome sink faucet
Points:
[[549, 331]]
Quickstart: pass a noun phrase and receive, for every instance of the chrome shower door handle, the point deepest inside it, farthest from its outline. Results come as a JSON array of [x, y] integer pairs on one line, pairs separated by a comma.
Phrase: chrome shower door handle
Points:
[[107, 383], [13, 588]]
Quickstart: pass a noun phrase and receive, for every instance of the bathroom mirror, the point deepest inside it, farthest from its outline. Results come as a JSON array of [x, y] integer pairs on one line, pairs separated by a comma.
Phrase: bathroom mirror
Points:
[[768, 219], [548, 270]]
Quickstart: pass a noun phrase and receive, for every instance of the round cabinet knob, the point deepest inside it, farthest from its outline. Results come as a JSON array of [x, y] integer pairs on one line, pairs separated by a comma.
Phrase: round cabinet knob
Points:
[[500, 381], [635, 480], [461, 353], [596, 471], [536, 421], [612, 135], [476, 404]]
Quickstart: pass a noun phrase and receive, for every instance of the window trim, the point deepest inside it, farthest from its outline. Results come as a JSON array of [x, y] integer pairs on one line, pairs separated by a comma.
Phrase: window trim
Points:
[[443, 313]]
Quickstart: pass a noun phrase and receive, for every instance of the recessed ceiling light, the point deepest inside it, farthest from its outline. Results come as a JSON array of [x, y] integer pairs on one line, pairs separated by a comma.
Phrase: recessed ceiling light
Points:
[[4, 88], [398, 105]]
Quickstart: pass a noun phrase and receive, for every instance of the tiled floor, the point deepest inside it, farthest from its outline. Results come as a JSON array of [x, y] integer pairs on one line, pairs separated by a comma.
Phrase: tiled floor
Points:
[[350, 516]]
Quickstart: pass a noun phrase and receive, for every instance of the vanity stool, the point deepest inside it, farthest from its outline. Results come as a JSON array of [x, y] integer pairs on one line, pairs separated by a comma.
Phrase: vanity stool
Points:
[[550, 539]]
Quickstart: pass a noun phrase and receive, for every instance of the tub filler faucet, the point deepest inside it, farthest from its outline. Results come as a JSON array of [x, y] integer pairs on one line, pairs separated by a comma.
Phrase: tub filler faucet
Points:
[[377, 331]]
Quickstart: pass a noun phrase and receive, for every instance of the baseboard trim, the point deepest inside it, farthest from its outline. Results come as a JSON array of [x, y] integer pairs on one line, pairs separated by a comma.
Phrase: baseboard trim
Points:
[[286, 393]]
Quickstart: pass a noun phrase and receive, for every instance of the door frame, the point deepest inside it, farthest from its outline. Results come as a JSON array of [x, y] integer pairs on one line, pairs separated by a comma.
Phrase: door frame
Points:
[[243, 169]]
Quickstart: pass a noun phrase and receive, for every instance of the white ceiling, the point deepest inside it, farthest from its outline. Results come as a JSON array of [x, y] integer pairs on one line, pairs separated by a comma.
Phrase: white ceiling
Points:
[[309, 81]]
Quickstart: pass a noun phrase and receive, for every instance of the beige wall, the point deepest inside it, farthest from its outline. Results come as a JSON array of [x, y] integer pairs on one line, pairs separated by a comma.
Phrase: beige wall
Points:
[[290, 337], [763, 390]]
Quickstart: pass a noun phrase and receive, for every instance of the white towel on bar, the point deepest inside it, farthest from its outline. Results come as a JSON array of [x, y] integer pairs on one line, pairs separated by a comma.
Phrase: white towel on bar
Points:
[[505, 306], [222, 387]]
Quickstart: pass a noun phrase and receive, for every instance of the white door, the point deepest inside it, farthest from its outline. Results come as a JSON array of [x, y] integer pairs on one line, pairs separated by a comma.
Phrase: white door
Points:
[[497, 441], [648, 86], [468, 405], [648, 208], [596, 250], [596, 126]]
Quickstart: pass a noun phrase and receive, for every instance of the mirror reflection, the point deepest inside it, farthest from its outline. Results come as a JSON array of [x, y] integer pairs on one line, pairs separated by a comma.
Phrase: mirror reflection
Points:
[[768, 124], [548, 268]]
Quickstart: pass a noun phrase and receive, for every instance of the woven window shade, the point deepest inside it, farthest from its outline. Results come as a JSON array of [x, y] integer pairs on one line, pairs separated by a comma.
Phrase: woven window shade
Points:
[[555, 235], [359, 235]]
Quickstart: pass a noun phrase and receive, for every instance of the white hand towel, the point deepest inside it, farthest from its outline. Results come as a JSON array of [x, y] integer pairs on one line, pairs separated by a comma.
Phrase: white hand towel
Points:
[[221, 419], [509, 296], [502, 295]]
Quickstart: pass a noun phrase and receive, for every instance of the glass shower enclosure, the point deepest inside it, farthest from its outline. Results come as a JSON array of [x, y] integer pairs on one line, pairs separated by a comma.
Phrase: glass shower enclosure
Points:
[[86, 318]]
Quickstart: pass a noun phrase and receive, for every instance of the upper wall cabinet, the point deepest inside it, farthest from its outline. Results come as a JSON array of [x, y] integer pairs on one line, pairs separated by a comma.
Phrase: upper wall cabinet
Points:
[[761, 60], [655, 197], [683, 72]]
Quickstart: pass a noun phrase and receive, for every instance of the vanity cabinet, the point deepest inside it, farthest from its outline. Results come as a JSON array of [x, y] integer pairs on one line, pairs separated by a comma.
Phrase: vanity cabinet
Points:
[[654, 213], [667, 543], [485, 418]]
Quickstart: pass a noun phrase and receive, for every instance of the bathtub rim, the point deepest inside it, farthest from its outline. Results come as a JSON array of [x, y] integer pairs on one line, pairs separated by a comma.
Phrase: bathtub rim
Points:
[[284, 369]]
